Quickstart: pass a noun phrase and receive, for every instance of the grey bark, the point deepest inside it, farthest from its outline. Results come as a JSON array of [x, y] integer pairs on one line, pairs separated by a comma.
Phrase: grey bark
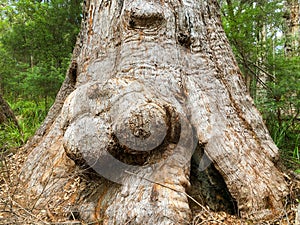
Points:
[[292, 18], [150, 84]]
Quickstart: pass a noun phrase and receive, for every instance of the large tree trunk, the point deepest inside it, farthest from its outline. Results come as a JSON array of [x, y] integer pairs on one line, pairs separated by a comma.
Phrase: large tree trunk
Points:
[[151, 84]]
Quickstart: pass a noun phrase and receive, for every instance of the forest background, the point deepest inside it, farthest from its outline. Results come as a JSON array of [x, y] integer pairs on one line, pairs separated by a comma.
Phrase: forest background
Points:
[[37, 38]]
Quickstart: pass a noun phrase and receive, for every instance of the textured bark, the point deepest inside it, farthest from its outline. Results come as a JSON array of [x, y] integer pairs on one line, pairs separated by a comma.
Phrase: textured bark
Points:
[[151, 83]]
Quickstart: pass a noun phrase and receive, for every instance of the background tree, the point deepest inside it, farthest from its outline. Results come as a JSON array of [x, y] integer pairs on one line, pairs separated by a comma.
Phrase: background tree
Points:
[[292, 36], [36, 42], [260, 33], [7, 118], [6, 114], [38, 36]]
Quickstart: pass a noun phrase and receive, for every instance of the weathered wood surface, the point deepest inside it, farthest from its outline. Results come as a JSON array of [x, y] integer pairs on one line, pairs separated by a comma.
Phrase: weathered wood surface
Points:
[[152, 82]]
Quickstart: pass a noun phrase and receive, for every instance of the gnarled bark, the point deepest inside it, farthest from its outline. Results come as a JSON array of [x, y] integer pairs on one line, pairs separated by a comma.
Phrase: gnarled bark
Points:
[[151, 84]]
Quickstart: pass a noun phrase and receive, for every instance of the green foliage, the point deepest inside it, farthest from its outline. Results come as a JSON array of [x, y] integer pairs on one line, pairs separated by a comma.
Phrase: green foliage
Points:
[[36, 43], [39, 82], [256, 31], [281, 108], [30, 116], [10, 136], [41, 31], [7, 69], [252, 28]]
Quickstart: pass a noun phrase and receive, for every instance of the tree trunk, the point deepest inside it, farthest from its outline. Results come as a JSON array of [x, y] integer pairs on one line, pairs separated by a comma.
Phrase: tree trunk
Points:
[[292, 17], [6, 114], [152, 83]]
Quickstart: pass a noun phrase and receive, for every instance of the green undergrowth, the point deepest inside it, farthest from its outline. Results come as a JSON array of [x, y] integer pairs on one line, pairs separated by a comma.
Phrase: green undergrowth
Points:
[[284, 128], [30, 115]]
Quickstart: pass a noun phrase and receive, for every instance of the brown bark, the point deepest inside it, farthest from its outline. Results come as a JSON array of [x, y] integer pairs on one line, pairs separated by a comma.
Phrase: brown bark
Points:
[[150, 84], [6, 114]]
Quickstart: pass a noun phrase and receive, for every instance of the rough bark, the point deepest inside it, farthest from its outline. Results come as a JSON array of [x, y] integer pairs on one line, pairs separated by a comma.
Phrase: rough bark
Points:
[[151, 84]]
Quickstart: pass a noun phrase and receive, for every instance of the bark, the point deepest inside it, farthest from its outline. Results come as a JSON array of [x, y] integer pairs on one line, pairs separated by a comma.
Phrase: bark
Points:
[[292, 18], [6, 114], [152, 83]]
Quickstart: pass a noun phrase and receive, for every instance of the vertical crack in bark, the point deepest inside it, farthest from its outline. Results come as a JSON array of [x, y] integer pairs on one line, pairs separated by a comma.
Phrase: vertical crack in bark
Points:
[[184, 39], [72, 73]]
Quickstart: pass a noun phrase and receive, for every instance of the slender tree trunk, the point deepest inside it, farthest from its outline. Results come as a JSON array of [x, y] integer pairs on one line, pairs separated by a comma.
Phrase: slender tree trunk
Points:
[[6, 114], [292, 34], [152, 83], [261, 77]]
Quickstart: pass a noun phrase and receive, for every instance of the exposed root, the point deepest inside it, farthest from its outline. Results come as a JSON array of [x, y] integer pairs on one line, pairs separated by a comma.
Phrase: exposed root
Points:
[[15, 209]]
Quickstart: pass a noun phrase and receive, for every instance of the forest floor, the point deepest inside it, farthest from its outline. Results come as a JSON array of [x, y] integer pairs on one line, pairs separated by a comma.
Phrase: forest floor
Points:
[[13, 213]]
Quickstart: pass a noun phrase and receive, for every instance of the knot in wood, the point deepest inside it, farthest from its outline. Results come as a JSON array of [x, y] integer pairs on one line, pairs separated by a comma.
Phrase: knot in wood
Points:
[[142, 127], [144, 15]]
